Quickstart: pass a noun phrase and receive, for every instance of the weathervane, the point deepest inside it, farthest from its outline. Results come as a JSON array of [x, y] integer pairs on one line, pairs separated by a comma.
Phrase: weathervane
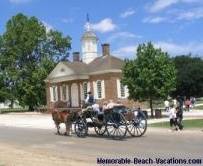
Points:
[[87, 18], [87, 25]]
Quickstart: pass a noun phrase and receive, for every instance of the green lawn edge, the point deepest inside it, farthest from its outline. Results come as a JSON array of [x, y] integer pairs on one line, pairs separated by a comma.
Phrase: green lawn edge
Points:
[[189, 123]]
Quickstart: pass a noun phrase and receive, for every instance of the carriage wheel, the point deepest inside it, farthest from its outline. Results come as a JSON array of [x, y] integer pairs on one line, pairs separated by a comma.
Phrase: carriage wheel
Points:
[[80, 128], [137, 127], [100, 129], [116, 126]]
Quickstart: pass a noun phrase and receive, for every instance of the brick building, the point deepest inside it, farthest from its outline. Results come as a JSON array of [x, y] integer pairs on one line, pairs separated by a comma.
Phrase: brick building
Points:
[[69, 82]]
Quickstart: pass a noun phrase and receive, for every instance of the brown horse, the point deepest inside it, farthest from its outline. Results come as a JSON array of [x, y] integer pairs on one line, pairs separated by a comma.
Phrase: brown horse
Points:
[[66, 117], [61, 114]]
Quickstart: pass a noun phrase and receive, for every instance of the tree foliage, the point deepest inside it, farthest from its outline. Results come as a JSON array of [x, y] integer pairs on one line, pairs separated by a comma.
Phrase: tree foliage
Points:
[[28, 54], [150, 76], [189, 76]]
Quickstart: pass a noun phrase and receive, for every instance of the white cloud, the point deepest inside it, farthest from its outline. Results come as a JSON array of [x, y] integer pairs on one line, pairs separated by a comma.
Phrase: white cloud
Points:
[[19, 1], [196, 48], [122, 35], [47, 26], [154, 20], [177, 15], [174, 49], [105, 25], [195, 13], [126, 51], [127, 13], [159, 5]]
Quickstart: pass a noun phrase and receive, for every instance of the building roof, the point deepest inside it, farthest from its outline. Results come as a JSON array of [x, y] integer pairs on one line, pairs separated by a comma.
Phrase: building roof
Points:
[[80, 70], [77, 67], [105, 63]]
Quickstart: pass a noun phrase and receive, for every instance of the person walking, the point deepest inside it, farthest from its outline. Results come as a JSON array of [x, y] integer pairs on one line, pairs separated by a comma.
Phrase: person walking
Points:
[[172, 117], [187, 104]]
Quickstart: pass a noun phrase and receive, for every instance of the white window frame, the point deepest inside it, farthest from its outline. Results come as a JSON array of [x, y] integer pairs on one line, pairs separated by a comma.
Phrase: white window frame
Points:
[[122, 90], [99, 94]]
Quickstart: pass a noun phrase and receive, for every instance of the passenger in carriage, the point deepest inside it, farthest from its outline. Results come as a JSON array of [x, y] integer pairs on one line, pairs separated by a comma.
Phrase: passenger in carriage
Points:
[[104, 107], [111, 104]]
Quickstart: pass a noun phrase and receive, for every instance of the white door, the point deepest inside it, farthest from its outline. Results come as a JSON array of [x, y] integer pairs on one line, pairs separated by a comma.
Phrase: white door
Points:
[[74, 95]]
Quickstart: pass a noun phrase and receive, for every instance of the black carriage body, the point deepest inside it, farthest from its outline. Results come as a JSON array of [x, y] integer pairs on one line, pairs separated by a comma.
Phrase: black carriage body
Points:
[[114, 122]]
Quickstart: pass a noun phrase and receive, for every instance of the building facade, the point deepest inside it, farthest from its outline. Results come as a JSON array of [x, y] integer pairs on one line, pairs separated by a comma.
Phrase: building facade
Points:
[[69, 82]]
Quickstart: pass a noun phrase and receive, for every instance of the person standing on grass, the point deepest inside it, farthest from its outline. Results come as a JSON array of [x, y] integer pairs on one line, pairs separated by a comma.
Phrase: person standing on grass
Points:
[[187, 104], [172, 117]]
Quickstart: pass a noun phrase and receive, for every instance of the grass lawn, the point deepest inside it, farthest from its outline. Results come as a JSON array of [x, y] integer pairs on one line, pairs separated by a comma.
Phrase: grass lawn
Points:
[[192, 123], [200, 107], [9, 110]]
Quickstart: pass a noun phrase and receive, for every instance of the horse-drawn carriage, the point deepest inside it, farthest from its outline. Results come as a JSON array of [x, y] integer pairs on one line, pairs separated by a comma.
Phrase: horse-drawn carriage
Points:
[[115, 122]]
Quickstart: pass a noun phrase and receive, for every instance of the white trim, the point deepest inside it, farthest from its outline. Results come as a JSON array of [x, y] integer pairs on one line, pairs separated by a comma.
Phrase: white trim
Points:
[[81, 92], [74, 95], [67, 78], [88, 87], [57, 69], [126, 92], [57, 97], [51, 94], [61, 96], [118, 88], [95, 89]]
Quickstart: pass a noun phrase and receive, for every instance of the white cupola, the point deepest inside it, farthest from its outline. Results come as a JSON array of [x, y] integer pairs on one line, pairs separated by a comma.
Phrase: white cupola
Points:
[[89, 43]]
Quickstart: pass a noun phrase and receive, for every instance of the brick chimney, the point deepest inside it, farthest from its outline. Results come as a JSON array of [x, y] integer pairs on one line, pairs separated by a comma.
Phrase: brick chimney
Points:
[[76, 56], [105, 49]]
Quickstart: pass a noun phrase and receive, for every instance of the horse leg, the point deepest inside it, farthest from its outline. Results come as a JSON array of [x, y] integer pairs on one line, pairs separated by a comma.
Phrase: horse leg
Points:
[[58, 128], [67, 128]]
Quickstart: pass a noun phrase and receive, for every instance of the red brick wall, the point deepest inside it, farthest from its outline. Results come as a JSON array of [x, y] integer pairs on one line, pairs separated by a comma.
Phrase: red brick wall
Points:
[[110, 80]]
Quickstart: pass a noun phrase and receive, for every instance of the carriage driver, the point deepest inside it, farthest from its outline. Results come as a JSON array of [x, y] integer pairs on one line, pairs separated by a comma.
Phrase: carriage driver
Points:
[[89, 101]]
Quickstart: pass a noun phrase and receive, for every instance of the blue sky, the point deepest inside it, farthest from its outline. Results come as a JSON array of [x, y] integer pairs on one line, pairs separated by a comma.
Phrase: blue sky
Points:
[[174, 25]]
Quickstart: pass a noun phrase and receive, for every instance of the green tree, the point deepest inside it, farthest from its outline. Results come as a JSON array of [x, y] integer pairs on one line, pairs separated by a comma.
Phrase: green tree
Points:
[[189, 76], [28, 54], [150, 76]]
